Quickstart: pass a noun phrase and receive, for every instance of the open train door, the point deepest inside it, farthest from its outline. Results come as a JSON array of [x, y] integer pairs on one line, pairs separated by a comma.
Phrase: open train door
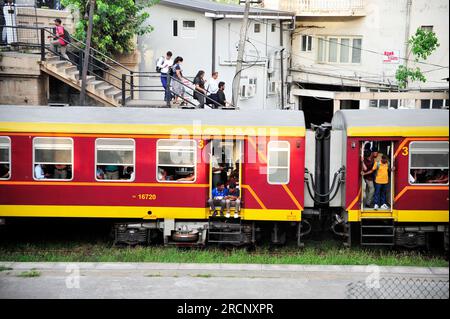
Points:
[[225, 162], [384, 148]]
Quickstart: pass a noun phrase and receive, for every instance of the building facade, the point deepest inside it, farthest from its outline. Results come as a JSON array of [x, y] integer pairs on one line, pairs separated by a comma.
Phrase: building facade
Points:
[[357, 45], [206, 34]]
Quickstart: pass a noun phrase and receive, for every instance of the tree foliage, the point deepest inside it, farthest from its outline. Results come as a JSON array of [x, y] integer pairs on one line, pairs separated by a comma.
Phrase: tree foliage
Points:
[[423, 44], [116, 22]]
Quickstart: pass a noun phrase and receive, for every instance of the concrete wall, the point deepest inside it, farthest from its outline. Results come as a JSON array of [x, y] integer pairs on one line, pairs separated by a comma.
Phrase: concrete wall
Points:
[[21, 81]]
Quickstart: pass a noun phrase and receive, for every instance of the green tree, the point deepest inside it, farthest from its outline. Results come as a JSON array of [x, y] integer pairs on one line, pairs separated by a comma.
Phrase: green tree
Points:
[[423, 44], [116, 22]]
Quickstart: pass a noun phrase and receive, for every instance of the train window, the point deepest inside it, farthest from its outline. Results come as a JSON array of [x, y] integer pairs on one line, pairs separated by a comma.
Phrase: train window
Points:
[[428, 163], [5, 158], [52, 158], [114, 159], [176, 161], [278, 162]]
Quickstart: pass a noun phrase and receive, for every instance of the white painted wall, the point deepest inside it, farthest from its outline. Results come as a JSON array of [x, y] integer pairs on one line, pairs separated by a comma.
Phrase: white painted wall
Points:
[[197, 52], [383, 28]]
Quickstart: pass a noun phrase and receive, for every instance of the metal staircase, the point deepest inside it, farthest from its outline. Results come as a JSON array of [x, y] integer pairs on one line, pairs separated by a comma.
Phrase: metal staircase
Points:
[[377, 231]]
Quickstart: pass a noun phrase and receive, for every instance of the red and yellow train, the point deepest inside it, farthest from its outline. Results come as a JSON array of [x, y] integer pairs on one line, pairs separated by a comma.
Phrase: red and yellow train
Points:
[[152, 172]]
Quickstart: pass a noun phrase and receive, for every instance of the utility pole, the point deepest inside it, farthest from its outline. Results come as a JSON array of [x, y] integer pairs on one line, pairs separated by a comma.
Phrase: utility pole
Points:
[[87, 50], [240, 59]]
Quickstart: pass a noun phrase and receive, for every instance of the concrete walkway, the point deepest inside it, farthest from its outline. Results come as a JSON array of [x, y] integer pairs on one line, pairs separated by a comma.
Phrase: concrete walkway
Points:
[[224, 281]]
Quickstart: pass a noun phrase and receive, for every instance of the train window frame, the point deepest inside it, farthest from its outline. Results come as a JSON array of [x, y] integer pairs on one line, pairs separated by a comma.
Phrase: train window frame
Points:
[[195, 161], [72, 163], [96, 162], [409, 164], [9, 147], [288, 164]]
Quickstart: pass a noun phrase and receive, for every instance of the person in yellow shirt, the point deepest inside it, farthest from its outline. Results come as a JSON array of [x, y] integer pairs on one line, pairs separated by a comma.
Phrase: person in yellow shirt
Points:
[[381, 169]]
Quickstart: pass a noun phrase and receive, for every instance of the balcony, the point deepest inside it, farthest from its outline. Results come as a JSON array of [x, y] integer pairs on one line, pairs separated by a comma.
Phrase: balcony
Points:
[[324, 8]]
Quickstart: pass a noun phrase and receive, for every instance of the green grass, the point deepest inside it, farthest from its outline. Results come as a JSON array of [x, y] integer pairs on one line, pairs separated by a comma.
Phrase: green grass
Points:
[[318, 253], [202, 276], [29, 274]]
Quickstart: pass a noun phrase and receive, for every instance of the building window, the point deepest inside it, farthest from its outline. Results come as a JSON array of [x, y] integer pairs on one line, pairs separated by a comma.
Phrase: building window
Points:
[[189, 30], [53, 158], [332, 50], [257, 28], [274, 27], [5, 158], [428, 28], [434, 104], [306, 43], [278, 162], [339, 50], [114, 159], [356, 50], [428, 163], [176, 161], [383, 104], [345, 51], [175, 28], [321, 51]]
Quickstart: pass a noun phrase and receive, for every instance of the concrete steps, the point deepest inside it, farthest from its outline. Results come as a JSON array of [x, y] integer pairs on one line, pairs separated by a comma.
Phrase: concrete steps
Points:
[[68, 72]]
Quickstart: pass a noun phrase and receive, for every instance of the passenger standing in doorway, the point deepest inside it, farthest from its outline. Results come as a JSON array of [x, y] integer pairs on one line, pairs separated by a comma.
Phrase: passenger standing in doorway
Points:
[[368, 175], [200, 92], [164, 64], [381, 169]]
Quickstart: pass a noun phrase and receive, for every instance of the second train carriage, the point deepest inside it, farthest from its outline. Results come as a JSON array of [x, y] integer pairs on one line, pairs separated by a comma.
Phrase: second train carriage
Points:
[[417, 147], [58, 158]]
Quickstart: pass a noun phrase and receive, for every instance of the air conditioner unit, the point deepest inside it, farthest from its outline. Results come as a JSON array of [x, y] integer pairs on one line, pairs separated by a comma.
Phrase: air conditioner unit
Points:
[[251, 90]]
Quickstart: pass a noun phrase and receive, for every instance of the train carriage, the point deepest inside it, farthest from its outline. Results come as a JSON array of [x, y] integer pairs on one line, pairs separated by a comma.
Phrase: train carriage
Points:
[[151, 170], [416, 145]]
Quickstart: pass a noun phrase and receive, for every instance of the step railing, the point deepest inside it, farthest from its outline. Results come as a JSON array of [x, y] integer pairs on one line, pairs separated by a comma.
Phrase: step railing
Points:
[[100, 66], [187, 84]]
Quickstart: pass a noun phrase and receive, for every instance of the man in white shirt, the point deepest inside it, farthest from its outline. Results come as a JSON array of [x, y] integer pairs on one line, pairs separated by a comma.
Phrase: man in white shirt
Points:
[[39, 172], [163, 65], [213, 89]]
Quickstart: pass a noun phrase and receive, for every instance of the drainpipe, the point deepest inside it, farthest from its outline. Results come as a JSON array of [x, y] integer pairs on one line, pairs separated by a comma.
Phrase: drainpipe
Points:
[[407, 31], [214, 27], [282, 64]]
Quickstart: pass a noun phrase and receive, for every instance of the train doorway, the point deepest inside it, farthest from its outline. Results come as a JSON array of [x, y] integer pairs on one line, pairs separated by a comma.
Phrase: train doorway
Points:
[[377, 170], [225, 163]]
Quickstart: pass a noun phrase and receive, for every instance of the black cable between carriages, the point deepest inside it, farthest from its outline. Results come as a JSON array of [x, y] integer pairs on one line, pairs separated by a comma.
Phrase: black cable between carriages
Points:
[[332, 184], [320, 195]]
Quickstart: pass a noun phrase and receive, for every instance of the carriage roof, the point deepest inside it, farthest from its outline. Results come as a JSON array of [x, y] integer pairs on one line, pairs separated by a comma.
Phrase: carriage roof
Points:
[[404, 122], [150, 121]]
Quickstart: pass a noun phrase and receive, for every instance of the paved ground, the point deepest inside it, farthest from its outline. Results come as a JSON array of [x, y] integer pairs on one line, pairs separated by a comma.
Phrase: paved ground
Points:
[[194, 281]]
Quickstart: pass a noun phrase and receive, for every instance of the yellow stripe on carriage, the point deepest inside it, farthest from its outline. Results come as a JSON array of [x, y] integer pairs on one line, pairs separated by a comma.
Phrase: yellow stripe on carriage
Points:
[[425, 216], [175, 130], [62, 211], [403, 131]]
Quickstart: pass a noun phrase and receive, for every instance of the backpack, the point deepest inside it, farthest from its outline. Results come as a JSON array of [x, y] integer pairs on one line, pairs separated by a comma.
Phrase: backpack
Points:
[[171, 70], [67, 37], [158, 68]]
